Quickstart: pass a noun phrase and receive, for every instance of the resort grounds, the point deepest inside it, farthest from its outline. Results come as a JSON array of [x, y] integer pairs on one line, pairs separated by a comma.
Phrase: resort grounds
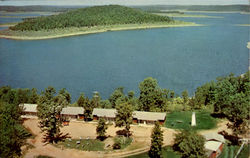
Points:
[[87, 130]]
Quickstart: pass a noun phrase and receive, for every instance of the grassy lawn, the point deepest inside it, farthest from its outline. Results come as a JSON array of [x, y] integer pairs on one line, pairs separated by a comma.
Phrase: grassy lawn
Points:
[[231, 151], [167, 153], [245, 152], [182, 120], [84, 144]]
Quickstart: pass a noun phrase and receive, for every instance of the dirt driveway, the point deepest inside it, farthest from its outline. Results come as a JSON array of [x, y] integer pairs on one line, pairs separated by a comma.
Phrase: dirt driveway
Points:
[[77, 129]]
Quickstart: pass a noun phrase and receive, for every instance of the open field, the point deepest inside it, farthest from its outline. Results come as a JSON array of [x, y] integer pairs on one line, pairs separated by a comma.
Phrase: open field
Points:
[[182, 120], [73, 31]]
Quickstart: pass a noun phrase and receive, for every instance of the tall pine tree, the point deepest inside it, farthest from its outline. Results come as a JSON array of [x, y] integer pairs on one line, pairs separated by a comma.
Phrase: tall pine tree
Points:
[[156, 142]]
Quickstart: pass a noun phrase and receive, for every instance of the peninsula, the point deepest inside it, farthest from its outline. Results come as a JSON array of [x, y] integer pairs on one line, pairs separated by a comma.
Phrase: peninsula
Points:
[[88, 20]]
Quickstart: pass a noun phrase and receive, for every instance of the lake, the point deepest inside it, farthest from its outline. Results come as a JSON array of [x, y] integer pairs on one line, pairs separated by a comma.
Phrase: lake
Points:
[[179, 58]]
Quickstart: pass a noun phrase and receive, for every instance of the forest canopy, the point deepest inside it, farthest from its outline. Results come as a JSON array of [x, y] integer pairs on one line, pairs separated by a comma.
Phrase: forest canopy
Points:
[[91, 16]]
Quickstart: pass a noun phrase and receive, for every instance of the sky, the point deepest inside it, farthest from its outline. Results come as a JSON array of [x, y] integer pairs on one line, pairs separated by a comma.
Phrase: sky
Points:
[[122, 2]]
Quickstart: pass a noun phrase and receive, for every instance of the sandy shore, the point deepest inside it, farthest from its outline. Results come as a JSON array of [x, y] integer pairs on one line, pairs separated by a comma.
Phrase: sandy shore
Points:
[[7, 24], [248, 45], [39, 35]]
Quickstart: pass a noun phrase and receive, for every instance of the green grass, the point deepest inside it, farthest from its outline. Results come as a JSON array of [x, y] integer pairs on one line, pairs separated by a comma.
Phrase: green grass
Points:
[[87, 145], [245, 152], [229, 151], [167, 152], [182, 120]]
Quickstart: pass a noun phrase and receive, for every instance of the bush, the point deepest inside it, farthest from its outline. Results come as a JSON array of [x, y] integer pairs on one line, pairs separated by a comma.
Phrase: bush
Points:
[[190, 144], [117, 144], [121, 142]]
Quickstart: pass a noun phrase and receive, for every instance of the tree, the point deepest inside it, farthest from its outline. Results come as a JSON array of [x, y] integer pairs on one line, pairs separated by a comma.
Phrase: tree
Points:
[[101, 128], [81, 100], [232, 100], [49, 109], [8, 95], [22, 96], [151, 96], [185, 96], [190, 144], [118, 93], [88, 108], [204, 95], [239, 113], [49, 93], [66, 94], [33, 99], [131, 94], [124, 116], [172, 94], [105, 104], [12, 134], [156, 142]]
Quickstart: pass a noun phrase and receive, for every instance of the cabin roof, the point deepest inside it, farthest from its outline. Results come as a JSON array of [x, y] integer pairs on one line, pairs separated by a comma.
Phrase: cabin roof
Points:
[[212, 145], [140, 115], [72, 110], [214, 136], [151, 116], [104, 112], [29, 107]]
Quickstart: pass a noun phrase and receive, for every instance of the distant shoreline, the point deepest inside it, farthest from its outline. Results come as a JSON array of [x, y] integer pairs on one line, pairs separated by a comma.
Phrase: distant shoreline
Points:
[[186, 15], [242, 24], [225, 12], [58, 33]]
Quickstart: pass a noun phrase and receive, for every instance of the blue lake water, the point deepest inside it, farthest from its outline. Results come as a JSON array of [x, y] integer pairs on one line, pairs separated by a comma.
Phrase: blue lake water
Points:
[[179, 58], [17, 17]]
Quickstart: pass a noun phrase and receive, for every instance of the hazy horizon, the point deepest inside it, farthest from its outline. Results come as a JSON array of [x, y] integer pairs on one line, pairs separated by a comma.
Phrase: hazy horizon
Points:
[[121, 2]]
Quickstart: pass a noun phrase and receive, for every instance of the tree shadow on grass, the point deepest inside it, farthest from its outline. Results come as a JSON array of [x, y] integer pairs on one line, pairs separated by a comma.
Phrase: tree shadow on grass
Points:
[[101, 138], [218, 115], [124, 133], [232, 138], [59, 137]]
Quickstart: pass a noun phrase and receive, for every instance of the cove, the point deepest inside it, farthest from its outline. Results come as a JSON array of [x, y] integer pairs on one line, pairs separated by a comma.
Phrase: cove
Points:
[[179, 58]]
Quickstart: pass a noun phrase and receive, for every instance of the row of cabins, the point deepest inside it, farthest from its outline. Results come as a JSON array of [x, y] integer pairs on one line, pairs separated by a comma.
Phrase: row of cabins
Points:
[[213, 145], [139, 117]]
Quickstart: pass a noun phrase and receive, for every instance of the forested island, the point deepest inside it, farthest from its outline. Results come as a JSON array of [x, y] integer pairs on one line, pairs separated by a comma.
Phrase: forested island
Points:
[[89, 20]]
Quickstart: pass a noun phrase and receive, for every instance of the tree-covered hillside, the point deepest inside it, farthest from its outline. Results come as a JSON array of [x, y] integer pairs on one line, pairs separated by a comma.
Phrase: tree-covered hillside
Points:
[[92, 16]]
